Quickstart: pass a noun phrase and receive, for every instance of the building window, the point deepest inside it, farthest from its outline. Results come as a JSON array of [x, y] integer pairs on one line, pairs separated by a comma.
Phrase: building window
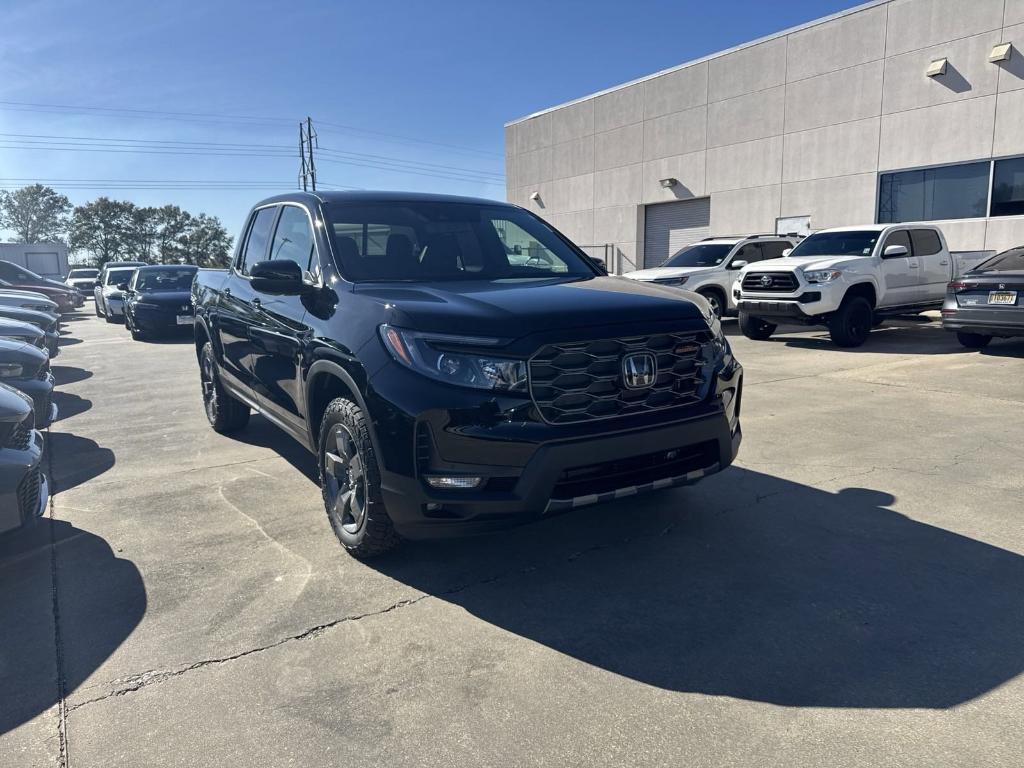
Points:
[[1008, 187], [949, 192]]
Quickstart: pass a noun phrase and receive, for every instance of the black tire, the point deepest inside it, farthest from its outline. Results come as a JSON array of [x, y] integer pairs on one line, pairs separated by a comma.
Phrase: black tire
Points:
[[96, 307], [877, 321], [973, 340], [225, 413], [850, 325], [756, 328], [108, 317], [715, 299], [350, 482]]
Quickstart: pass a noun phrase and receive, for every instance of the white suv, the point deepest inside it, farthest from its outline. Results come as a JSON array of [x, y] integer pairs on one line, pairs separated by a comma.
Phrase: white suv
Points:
[[847, 279], [709, 266]]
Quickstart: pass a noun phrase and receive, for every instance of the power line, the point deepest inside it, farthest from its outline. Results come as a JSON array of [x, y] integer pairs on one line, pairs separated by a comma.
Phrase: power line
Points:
[[207, 117]]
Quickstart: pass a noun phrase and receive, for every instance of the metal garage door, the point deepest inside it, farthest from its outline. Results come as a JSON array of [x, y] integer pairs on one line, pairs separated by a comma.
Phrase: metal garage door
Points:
[[670, 226]]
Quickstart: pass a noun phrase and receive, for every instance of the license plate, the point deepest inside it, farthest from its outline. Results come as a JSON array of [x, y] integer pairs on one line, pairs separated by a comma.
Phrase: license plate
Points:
[[1002, 297], [184, 319]]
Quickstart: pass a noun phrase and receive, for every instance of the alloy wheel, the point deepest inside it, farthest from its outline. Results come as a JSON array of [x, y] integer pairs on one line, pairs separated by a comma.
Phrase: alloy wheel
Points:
[[345, 479], [209, 385]]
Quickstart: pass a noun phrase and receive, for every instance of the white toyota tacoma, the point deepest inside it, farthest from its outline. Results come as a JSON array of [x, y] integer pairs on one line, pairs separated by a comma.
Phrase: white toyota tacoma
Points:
[[846, 279], [709, 267]]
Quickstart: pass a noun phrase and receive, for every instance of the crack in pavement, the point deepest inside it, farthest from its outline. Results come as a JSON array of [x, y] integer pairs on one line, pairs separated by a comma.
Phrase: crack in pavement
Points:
[[58, 641]]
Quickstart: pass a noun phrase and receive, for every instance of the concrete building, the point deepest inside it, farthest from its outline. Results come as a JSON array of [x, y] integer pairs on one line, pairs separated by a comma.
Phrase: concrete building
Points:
[[896, 110]]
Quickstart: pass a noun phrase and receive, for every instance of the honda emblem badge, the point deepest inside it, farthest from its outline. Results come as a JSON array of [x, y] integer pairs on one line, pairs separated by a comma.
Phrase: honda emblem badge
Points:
[[639, 370]]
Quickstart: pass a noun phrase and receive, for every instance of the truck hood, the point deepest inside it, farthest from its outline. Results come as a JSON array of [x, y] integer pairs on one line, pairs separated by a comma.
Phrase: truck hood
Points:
[[658, 273], [17, 294], [515, 308], [17, 351], [18, 329], [789, 264]]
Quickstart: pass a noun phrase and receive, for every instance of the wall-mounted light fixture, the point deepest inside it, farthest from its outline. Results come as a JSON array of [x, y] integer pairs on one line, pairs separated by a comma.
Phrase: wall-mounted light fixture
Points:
[[1000, 52], [936, 68], [535, 196], [669, 182]]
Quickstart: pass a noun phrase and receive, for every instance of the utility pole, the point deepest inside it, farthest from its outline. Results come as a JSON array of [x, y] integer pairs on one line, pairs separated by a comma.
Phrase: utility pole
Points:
[[307, 141]]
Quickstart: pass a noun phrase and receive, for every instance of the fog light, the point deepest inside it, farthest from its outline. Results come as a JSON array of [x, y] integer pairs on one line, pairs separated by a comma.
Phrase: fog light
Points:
[[453, 482]]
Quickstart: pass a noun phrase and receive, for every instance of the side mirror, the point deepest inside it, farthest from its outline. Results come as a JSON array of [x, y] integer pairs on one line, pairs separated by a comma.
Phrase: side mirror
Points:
[[786, 252], [281, 277], [738, 263], [599, 263], [122, 286], [894, 251]]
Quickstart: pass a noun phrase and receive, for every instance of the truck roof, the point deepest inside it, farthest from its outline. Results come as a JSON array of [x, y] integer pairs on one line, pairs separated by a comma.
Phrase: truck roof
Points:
[[879, 227], [376, 196]]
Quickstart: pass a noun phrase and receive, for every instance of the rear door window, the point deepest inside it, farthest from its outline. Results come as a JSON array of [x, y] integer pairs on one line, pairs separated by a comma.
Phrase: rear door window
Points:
[[257, 240], [926, 242]]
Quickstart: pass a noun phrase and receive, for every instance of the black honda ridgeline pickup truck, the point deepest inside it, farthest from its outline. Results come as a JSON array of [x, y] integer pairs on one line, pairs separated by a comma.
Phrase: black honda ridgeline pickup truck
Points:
[[457, 365]]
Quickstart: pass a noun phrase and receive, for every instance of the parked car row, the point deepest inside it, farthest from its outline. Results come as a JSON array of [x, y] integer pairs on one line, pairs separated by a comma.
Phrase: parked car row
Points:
[[29, 333], [850, 280], [151, 300]]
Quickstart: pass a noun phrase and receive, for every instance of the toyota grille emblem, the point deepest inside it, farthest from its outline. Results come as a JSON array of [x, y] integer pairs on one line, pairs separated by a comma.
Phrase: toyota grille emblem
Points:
[[639, 370], [766, 280]]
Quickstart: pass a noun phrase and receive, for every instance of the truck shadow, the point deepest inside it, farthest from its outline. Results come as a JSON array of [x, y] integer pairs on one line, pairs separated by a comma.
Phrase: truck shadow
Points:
[[101, 600], [752, 587]]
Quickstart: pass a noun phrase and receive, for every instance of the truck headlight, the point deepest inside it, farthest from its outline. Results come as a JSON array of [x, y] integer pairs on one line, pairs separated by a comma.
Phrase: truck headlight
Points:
[[822, 275], [10, 370], [672, 280], [437, 356]]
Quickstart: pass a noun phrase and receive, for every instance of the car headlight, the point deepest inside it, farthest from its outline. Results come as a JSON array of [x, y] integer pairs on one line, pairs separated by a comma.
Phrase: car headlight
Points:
[[437, 356], [10, 370], [823, 275], [672, 280]]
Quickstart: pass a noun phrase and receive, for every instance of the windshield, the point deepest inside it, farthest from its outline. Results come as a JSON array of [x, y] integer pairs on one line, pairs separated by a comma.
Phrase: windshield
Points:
[[701, 255], [852, 243], [154, 280], [118, 276], [442, 241], [83, 273]]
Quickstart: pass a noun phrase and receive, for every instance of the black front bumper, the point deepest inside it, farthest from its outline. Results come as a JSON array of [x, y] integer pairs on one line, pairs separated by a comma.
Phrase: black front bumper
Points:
[[157, 320], [528, 476]]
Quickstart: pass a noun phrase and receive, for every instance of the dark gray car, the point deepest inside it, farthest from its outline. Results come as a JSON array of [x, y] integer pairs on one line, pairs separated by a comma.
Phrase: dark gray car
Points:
[[987, 300], [24, 492], [27, 369], [22, 331], [46, 322]]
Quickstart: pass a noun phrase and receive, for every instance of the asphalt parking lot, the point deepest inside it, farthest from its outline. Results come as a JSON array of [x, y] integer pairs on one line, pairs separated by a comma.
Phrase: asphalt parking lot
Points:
[[850, 593]]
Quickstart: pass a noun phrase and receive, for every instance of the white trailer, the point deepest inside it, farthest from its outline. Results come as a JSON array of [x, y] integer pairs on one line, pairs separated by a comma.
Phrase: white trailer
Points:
[[46, 259]]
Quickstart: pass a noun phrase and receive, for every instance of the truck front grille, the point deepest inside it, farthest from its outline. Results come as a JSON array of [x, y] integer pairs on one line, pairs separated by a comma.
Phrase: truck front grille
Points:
[[771, 282], [584, 381]]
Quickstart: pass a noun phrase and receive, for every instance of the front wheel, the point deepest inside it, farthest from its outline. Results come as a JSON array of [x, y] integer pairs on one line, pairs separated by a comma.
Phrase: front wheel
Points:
[[714, 301], [851, 323], [973, 340], [225, 413], [350, 482], [756, 328]]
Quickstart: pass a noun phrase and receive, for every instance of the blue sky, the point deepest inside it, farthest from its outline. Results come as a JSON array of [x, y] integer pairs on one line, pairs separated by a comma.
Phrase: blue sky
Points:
[[424, 85]]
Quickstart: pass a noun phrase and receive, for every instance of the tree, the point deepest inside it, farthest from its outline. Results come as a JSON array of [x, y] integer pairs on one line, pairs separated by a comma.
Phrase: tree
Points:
[[143, 231], [172, 225], [103, 227], [36, 214], [207, 243]]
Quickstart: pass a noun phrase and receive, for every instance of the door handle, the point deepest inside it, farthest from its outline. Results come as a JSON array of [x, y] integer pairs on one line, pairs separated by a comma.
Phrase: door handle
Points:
[[943, 262], [912, 266]]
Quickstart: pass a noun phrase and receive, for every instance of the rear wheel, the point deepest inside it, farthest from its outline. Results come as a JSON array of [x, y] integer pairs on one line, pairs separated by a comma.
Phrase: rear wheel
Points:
[[225, 413], [851, 323], [973, 340], [350, 481], [714, 299], [756, 328]]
